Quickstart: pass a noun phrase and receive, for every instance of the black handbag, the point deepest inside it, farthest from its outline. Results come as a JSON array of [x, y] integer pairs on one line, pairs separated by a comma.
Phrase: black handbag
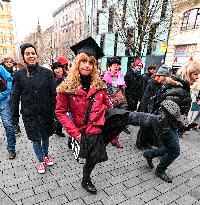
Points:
[[80, 149]]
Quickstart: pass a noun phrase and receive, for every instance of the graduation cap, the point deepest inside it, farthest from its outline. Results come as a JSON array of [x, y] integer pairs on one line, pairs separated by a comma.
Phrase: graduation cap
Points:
[[88, 46]]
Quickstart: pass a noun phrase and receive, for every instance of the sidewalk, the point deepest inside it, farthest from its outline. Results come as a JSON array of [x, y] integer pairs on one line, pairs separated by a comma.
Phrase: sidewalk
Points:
[[124, 179]]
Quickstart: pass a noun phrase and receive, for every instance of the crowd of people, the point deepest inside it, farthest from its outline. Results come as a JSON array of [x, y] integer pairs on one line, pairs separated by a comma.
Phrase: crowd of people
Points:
[[94, 109]]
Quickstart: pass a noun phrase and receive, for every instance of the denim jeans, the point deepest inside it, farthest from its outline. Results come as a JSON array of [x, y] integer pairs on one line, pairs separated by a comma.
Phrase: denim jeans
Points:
[[41, 149], [169, 150], [5, 114]]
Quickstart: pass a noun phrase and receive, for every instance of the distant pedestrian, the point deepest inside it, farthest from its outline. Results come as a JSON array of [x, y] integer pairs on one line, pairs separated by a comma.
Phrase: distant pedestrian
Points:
[[148, 75], [114, 80], [63, 61], [58, 77], [133, 90], [8, 64], [5, 113], [35, 87]]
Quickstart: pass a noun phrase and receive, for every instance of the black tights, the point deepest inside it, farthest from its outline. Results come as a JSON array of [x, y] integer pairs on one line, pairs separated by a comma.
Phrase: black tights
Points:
[[87, 170]]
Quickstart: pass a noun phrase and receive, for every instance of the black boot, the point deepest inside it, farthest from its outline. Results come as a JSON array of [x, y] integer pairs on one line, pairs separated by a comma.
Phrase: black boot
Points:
[[149, 160], [127, 131], [162, 175], [60, 134], [69, 142], [88, 186], [86, 181]]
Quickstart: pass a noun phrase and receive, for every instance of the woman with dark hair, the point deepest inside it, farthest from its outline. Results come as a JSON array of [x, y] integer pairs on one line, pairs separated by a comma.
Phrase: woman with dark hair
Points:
[[35, 87], [57, 69]]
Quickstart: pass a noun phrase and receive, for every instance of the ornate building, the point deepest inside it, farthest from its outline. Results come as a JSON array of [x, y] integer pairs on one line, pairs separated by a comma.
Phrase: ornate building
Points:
[[68, 27], [184, 37], [7, 47]]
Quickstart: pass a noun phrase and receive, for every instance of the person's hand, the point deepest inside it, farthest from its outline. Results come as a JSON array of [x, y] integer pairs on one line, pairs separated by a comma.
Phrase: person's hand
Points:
[[78, 138], [198, 103]]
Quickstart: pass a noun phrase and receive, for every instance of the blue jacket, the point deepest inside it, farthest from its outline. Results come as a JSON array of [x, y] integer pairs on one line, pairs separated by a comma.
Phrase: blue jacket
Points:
[[5, 95]]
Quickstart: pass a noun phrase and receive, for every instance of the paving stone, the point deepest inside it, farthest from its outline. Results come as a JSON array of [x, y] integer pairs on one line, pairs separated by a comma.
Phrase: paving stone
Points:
[[92, 199], [168, 197], [114, 199], [115, 189], [36, 199], [59, 200], [154, 202], [6, 201], [2, 194], [22, 194], [186, 200], [131, 201], [149, 195]]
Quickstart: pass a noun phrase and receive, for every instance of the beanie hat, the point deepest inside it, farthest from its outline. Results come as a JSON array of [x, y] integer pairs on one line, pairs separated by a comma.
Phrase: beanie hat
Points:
[[173, 110], [137, 62], [163, 70], [62, 60], [24, 46]]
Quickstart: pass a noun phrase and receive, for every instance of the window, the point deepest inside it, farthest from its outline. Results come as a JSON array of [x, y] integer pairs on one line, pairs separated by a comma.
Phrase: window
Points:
[[191, 19], [3, 41], [5, 51]]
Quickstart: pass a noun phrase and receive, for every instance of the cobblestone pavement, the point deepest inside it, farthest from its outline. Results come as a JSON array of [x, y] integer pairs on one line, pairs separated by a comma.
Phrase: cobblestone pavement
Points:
[[124, 179]]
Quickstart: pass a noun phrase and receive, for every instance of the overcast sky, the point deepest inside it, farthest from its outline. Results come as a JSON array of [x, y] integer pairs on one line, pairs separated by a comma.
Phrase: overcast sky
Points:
[[26, 14]]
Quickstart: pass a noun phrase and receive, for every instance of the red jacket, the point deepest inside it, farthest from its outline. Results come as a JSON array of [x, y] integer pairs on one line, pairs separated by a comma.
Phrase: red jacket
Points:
[[77, 104]]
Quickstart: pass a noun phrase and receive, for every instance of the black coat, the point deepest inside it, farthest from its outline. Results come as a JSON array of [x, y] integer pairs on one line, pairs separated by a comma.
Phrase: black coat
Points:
[[179, 94], [134, 85], [150, 96], [37, 93]]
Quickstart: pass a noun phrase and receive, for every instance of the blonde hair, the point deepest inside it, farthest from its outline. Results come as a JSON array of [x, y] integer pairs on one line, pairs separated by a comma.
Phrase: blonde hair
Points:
[[187, 69], [7, 58], [72, 81]]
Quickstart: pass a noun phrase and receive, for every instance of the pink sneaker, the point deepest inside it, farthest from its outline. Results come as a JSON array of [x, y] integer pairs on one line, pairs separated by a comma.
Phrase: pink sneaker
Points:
[[48, 161], [41, 168]]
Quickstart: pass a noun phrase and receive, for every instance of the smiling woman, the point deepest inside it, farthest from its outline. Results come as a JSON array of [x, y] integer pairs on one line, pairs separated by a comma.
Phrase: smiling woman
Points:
[[35, 86]]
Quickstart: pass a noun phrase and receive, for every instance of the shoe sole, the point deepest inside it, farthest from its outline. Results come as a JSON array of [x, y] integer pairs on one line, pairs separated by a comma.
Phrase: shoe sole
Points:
[[41, 172], [49, 164]]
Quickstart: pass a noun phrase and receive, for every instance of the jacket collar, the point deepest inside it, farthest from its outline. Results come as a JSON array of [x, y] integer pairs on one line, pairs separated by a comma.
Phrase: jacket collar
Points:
[[80, 91]]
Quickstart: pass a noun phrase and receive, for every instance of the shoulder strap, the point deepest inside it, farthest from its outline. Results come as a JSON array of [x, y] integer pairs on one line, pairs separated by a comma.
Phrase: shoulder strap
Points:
[[89, 108]]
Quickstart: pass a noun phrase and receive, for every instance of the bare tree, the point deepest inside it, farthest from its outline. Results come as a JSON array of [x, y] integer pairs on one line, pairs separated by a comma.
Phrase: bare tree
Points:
[[138, 22]]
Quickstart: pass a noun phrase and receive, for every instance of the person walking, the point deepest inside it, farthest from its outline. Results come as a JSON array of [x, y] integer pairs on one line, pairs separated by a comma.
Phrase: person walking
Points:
[[35, 86], [5, 112], [175, 103], [114, 80], [98, 126], [133, 80]]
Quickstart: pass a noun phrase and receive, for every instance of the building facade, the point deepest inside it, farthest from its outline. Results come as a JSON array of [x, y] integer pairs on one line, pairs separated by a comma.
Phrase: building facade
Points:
[[7, 47], [184, 38], [68, 27]]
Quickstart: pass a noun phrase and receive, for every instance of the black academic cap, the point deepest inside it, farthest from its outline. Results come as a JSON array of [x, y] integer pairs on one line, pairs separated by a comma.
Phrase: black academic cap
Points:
[[88, 46]]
